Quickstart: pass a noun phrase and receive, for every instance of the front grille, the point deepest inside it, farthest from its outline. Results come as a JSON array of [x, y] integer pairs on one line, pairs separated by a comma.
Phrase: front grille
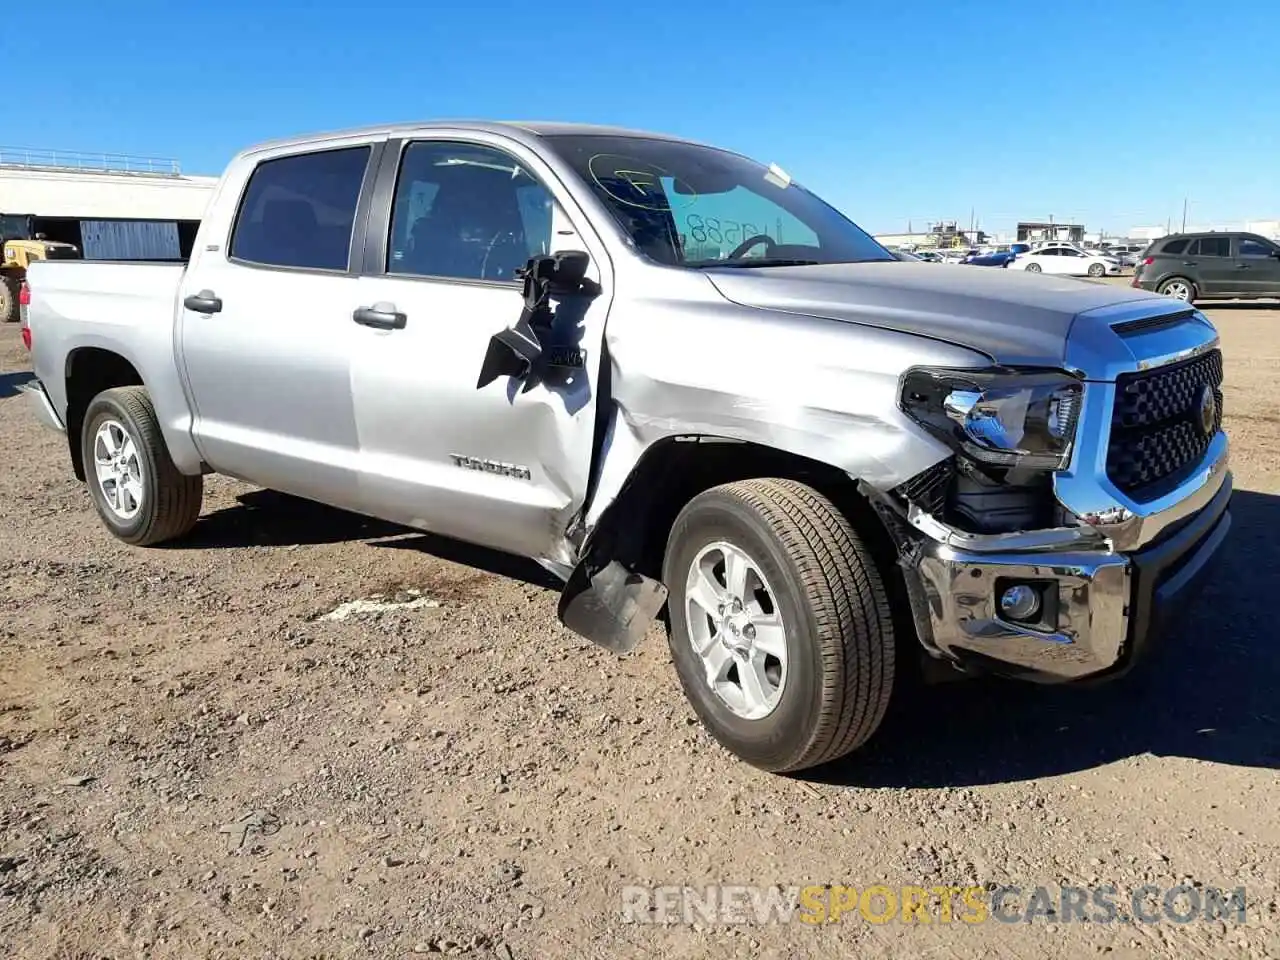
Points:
[[1156, 432]]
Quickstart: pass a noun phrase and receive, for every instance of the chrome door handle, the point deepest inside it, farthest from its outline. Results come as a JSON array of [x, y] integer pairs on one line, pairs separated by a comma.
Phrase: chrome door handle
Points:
[[383, 316], [206, 301]]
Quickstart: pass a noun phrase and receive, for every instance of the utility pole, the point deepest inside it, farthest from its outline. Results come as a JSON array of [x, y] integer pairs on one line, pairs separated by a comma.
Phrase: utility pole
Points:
[[1184, 215]]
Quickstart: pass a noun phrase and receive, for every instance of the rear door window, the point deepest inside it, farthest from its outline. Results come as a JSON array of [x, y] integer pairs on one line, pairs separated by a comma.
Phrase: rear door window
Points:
[[298, 211], [1211, 247]]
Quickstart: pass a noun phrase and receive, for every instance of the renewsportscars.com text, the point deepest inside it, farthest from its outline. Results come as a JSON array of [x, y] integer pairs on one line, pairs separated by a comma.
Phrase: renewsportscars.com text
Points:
[[881, 903]]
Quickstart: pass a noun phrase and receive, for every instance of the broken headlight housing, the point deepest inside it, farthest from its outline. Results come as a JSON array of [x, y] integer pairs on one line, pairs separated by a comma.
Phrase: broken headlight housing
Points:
[[997, 417]]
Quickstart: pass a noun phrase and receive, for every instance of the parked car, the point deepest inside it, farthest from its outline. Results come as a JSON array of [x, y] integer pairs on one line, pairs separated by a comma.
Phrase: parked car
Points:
[[989, 259], [1205, 266], [1065, 260], [812, 457], [905, 255], [929, 256]]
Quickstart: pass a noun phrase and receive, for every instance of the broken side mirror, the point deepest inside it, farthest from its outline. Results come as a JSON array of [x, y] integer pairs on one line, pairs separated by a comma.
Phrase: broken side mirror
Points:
[[514, 351]]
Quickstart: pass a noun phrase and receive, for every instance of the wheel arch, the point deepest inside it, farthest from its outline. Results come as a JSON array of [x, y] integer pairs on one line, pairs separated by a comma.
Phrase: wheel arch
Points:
[[88, 371], [631, 533], [675, 469]]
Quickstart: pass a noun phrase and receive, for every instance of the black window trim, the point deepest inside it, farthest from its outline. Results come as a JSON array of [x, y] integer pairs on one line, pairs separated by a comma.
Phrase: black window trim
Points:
[[378, 233], [359, 222]]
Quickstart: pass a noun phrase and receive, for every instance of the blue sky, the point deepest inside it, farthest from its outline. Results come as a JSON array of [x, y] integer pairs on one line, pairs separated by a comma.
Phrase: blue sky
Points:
[[1106, 112]]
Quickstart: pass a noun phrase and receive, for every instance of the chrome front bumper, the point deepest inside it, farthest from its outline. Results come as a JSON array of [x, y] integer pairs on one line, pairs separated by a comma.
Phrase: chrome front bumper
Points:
[[38, 402], [1102, 606]]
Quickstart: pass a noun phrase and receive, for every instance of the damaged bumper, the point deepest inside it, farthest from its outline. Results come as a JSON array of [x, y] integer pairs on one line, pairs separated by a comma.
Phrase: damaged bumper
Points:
[[1099, 607]]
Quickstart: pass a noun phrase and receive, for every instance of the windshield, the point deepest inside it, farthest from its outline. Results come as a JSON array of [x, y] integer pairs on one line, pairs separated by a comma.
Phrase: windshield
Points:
[[694, 206]]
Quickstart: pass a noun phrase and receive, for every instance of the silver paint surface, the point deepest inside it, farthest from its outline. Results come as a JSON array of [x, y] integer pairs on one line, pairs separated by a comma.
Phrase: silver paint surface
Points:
[[284, 390]]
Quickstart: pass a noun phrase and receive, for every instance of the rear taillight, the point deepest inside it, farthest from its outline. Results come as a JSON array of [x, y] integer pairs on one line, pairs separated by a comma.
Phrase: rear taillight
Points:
[[1147, 261], [24, 301]]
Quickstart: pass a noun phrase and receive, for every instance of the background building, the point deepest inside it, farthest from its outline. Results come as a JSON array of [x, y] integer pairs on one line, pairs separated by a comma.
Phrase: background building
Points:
[[941, 235], [1029, 231], [110, 206]]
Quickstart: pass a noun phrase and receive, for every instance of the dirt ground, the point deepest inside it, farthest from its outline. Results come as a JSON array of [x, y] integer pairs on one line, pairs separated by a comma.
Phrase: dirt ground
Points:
[[194, 763]]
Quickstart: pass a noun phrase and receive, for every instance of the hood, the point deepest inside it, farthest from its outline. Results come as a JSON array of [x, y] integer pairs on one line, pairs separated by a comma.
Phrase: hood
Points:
[[1011, 316]]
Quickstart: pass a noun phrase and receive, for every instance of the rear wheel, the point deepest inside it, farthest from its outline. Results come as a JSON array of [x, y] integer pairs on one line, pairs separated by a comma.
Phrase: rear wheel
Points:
[[137, 490], [9, 299], [1033, 268], [1179, 288], [779, 624]]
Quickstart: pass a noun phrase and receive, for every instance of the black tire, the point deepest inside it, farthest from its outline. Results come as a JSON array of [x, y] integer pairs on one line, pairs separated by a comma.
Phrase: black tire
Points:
[[834, 607], [1097, 270], [1165, 284], [9, 299], [170, 501], [1033, 268]]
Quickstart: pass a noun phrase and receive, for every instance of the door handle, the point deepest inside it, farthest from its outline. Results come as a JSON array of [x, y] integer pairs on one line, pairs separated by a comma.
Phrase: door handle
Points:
[[1242, 266], [1188, 263], [384, 316], [206, 301]]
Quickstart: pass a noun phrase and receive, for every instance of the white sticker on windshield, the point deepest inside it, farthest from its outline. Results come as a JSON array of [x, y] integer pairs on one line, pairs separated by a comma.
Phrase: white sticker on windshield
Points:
[[777, 176]]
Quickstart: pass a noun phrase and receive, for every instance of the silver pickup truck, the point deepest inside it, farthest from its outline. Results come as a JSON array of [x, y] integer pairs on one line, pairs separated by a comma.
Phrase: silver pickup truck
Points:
[[684, 384]]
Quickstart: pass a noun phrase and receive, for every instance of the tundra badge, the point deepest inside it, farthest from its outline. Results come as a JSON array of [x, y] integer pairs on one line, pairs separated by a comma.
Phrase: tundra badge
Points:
[[491, 466]]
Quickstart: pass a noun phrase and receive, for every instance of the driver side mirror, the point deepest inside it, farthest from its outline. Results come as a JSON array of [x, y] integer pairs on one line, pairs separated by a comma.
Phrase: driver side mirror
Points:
[[562, 272], [514, 351]]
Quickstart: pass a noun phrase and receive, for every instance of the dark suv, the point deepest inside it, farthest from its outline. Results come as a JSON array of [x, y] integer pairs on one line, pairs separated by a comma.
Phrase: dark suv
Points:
[[1205, 266]]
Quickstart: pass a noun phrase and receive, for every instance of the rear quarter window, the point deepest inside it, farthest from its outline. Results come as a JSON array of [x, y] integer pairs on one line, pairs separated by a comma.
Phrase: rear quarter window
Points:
[[1175, 246]]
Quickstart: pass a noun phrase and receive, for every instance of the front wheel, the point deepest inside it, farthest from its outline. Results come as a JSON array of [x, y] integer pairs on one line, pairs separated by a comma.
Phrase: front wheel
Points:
[[779, 624], [136, 489], [1033, 268], [1097, 270]]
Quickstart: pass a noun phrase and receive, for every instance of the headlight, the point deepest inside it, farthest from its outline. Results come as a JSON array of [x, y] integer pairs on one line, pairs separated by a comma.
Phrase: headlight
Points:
[[1000, 417]]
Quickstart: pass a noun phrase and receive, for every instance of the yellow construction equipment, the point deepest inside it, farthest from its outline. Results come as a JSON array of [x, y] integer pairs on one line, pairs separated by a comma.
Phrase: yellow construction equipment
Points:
[[22, 245]]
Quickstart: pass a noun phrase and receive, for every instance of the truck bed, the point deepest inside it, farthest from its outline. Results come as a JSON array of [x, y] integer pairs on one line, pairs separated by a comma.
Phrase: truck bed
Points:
[[77, 305]]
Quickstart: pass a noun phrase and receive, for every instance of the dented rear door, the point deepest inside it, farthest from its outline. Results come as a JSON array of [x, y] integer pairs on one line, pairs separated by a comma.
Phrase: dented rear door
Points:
[[505, 465]]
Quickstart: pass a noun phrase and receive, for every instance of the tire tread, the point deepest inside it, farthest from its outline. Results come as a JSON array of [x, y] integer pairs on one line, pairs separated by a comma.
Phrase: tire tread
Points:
[[177, 496], [850, 607]]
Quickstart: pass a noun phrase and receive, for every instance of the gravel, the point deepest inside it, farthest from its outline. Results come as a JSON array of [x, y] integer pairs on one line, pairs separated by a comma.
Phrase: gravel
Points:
[[198, 759]]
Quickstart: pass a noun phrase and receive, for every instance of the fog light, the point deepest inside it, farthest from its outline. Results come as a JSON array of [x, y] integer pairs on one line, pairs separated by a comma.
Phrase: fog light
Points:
[[1020, 602]]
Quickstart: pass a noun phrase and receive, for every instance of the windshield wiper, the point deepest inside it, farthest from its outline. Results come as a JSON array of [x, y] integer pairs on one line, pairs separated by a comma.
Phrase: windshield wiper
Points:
[[754, 262]]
